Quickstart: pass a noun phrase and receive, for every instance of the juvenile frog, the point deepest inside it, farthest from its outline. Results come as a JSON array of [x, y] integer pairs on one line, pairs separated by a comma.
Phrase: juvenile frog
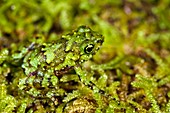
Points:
[[48, 61]]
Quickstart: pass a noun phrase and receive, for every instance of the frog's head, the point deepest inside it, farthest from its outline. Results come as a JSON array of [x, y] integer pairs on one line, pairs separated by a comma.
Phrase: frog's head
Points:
[[84, 43]]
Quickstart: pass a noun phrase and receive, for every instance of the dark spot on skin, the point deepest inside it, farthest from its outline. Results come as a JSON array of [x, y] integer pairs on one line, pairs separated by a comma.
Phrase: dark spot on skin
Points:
[[33, 73], [100, 41], [64, 70], [45, 67]]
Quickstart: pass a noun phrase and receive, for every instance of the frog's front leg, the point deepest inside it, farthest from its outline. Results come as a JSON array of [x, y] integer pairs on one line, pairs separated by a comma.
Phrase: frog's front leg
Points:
[[83, 74], [90, 80]]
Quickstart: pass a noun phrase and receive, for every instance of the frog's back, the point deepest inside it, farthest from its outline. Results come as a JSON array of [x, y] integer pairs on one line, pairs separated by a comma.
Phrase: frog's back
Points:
[[43, 57]]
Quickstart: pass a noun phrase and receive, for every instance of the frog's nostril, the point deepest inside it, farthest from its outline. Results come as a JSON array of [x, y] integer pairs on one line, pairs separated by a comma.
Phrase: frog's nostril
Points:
[[99, 41]]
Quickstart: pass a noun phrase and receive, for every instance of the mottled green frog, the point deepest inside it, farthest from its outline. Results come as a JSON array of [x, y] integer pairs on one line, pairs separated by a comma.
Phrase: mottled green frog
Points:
[[67, 53], [44, 63]]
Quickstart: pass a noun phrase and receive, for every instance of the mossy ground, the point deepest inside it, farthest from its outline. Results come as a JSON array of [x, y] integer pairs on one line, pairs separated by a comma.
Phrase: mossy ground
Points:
[[130, 72]]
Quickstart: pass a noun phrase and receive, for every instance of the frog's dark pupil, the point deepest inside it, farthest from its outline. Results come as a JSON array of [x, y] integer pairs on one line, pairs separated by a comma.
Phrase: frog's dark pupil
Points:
[[89, 48]]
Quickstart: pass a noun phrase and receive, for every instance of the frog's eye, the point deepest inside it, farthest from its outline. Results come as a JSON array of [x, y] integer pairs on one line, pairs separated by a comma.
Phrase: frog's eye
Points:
[[88, 48]]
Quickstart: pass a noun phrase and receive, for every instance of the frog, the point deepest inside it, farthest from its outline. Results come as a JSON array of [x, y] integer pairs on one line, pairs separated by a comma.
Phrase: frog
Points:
[[44, 63], [69, 52]]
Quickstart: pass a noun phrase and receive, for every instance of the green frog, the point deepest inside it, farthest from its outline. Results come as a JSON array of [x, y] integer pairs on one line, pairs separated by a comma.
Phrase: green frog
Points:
[[67, 53], [45, 63]]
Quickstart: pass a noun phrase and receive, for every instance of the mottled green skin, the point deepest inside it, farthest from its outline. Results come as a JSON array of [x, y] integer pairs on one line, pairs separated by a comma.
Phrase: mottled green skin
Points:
[[44, 64], [69, 52]]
